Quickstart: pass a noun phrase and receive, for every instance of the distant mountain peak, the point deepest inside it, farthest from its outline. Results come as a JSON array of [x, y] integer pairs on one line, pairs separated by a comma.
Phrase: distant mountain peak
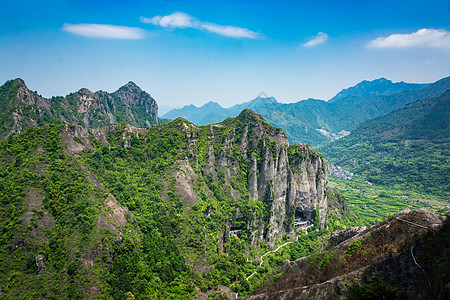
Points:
[[212, 103], [262, 95], [381, 79], [380, 86]]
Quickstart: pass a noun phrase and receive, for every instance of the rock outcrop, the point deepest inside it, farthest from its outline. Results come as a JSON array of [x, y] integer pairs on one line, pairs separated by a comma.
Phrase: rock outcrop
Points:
[[24, 108], [401, 251], [255, 161], [289, 180]]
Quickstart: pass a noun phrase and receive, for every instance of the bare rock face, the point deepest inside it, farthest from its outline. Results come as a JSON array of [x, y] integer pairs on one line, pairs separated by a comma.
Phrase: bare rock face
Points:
[[338, 237], [133, 96], [40, 264], [290, 180]]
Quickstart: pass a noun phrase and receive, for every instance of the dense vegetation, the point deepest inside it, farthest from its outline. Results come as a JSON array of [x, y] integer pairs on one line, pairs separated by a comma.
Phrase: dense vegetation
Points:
[[54, 205], [408, 149], [109, 220]]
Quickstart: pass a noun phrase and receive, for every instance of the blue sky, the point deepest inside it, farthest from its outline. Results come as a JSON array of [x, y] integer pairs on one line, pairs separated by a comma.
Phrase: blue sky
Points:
[[192, 52]]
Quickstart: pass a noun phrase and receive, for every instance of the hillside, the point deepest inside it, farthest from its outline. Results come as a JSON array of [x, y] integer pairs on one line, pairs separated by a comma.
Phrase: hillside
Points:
[[22, 108], [318, 122], [171, 211], [406, 149], [403, 257]]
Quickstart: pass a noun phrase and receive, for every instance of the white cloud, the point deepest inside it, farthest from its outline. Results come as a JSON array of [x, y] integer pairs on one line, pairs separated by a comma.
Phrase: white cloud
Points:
[[177, 19], [423, 38], [105, 31], [231, 31], [318, 39], [182, 20]]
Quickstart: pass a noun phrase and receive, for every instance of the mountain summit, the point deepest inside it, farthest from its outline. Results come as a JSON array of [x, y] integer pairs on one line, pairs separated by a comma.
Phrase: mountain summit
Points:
[[319, 122], [23, 109], [380, 86]]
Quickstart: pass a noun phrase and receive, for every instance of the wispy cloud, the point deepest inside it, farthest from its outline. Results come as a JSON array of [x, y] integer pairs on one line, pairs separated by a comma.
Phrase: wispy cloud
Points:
[[320, 38], [182, 20], [231, 31], [105, 31], [177, 19], [423, 38]]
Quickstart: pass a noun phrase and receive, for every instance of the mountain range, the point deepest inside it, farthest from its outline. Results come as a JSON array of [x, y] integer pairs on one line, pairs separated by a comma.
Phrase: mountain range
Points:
[[93, 207], [22, 108], [319, 122], [409, 148]]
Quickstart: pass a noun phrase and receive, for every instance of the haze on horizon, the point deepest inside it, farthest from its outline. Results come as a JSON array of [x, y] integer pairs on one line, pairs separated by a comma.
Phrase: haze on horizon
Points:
[[193, 52]]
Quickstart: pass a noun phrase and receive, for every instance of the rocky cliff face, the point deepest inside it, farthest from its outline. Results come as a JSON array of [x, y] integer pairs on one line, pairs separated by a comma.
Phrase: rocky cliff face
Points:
[[97, 202], [252, 159], [24, 109], [289, 180]]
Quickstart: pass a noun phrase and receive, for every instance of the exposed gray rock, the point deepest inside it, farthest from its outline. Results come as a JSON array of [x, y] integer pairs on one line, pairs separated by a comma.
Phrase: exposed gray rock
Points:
[[338, 237], [40, 264], [291, 180], [27, 109]]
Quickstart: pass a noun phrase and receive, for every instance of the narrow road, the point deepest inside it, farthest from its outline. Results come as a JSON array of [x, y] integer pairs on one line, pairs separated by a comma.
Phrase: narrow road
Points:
[[273, 251]]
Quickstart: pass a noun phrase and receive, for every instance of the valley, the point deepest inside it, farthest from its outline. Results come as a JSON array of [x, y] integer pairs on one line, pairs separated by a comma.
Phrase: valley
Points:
[[100, 200]]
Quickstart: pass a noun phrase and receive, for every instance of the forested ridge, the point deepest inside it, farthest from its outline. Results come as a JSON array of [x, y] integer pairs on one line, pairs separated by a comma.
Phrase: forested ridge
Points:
[[98, 213]]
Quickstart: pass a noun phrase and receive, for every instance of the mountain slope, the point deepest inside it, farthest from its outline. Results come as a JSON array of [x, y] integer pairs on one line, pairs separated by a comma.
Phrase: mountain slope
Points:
[[408, 147], [315, 121], [164, 212], [403, 257], [22, 108], [381, 86]]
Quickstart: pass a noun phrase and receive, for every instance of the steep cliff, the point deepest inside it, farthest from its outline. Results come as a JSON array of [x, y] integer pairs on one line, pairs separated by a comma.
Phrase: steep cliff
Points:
[[22, 108], [118, 209], [258, 163]]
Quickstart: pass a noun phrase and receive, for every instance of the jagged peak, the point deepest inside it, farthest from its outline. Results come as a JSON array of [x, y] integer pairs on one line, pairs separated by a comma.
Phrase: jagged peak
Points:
[[130, 86], [266, 99], [16, 82], [382, 79]]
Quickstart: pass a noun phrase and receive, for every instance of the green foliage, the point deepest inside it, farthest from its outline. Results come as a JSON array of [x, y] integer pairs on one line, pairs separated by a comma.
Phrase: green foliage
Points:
[[166, 240], [353, 247], [367, 205], [375, 289], [408, 149], [320, 260]]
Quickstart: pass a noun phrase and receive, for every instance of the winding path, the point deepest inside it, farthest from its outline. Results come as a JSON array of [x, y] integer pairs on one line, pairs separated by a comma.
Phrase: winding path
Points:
[[272, 251]]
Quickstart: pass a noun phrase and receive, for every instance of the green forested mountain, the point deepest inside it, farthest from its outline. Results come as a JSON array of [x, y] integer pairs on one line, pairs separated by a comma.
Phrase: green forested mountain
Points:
[[319, 122], [408, 148], [381, 86], [22, 108], [165, 212]]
